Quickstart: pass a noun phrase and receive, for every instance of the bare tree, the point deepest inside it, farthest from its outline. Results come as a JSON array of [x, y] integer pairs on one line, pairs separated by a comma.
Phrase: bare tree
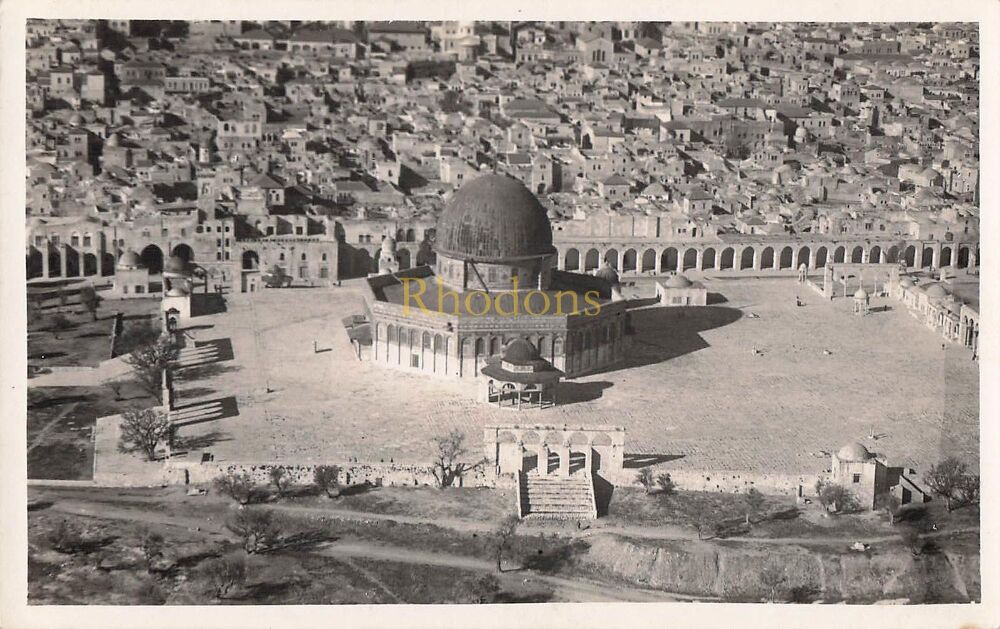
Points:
[[149, 362], [754, 503], [239, 487], [258, 529], [505, 531], [645, 478], [449, 449], [281, 479], [151, 545], [772, 578], [223, 574], [142, 430], [945, 478], [968, 489], [665, 484], [327, 478]]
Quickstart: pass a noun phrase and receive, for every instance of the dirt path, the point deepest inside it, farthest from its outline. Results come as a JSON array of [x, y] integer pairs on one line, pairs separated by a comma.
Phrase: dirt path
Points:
[[47, 428]]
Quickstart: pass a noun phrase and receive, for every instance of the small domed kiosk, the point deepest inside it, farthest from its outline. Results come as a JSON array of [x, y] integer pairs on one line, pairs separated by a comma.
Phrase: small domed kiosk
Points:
[[520, 378], [131, 277], [678, 290], [862, 302]]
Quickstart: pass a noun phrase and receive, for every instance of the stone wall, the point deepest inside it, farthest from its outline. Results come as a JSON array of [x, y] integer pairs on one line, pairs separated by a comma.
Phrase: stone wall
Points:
[[736, 482]]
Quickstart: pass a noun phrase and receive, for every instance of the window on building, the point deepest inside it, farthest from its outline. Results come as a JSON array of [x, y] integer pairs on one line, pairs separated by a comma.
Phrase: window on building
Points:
[[140, 289], [323, 257], [281, 256], [324, 272], [218, 255], [39, 241], [218, 242], [227, 229], [856, 478], [303, 256], [227, 255], [415, 361], [164, 232]]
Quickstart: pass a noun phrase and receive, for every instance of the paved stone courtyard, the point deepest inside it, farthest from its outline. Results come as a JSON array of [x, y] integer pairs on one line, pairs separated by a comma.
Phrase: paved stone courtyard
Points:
[[692, 392]]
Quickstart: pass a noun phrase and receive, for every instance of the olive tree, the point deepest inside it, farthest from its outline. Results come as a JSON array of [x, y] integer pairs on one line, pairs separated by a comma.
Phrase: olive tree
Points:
[[142, 430]]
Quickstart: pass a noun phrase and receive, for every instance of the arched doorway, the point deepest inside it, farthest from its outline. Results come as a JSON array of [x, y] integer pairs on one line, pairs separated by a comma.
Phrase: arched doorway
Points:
[[927, 258], [109, 263], [767, 258], [403, 257], [785, 259], [821, 257], [875, 255], [152, 259], [648, 260], [72, 262], [89, 264], [184, 252], [33, 263], [856, 254], [668, 260], [802, 258], [728, 258], [708, 259], [910, 256], [746, 258], [945, 259], [592, 260], [251, 262], [611, 257], [963, 257], [629, 259], [892, 255], [838, 254], [572, 260], [55, 264], [690, 259]]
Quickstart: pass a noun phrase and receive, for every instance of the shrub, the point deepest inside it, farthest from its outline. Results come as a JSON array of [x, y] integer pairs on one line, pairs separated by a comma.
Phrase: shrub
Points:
[[258, 529], [645, 478], [239, 487], [66, 537], [142, 430], [151, 545], [281, 479], [482, 589], [754, 503], [665, 484], [224, 574], [327, 478], [836, 496], [945, 478]]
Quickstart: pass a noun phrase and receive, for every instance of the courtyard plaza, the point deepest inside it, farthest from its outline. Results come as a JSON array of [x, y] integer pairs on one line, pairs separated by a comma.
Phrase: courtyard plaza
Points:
[[751, 382]]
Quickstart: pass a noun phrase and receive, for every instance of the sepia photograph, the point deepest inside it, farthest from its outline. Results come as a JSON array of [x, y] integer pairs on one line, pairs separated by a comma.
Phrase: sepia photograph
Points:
[[479, 312]]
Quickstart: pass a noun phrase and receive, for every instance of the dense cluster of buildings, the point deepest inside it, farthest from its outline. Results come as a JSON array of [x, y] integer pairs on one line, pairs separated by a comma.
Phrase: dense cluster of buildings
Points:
[[652, 147]]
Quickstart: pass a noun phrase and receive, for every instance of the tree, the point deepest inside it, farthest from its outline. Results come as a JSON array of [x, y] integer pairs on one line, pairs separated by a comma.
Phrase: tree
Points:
[[665, 484], [223, 574], [889, 503], [772, 578], [504, 533], [239, 487], [66, 537], [90, 300], [327, 478], [142, 430], [136, 335], [60, 323], [281, 479], [151, 545], [645, 478], [968, 489], [945, 478], [149, 362], [836, 496], [483, 588], [913, 541], [754, 502], [449, 449], [258, 529]]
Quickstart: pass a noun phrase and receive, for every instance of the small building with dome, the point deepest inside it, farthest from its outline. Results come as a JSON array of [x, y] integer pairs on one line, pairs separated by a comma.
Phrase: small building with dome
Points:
[[862, 301], [519, 378], [678, 290], [494, 282], [131, 277], [868, 476]]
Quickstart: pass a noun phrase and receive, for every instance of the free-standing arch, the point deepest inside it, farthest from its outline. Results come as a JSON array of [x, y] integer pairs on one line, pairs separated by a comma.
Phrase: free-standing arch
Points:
[[629, 260], [648, 260], [785, 259], [857, 254], [838, 254], [668, 259], [767, 258], [184, 252], [746, 258], [728, 259], [802, 258], [708, 259], [572, 260], [690, 259], [152, 259], [821, 257], [611, 257], [251, 261], [592, 260]]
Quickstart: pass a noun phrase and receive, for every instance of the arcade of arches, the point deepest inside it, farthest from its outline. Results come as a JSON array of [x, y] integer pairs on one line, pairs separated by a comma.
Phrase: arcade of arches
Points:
[[556, 450]]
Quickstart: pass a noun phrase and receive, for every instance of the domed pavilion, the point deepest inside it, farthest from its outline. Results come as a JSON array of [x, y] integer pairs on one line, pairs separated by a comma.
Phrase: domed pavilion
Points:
[[494, 281]]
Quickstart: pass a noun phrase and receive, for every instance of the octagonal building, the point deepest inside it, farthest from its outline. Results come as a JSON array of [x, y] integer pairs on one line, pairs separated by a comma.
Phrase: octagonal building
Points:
[[494, 281]]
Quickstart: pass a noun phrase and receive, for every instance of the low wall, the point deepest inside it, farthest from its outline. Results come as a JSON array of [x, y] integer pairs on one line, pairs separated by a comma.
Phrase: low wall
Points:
[[816, 287], [378, 474], [738, 482]]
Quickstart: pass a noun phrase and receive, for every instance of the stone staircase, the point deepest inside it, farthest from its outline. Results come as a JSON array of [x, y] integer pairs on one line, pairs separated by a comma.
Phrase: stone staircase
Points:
[[557, 497]]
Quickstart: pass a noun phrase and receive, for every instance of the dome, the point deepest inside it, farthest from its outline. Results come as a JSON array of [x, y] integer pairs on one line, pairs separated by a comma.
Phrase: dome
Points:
[[129, 260], [861, 294], [494, 218], [607, 273], [175, 264], [854, 452], [935, 291], [176, 291], [521, 352], [677, 281]]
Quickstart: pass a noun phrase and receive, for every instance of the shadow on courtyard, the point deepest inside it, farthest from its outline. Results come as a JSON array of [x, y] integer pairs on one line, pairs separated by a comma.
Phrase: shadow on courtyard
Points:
[[223, 348], [184, 444], [203, 304], [661, 334], [575, 392], [205, 411], [636, 461]]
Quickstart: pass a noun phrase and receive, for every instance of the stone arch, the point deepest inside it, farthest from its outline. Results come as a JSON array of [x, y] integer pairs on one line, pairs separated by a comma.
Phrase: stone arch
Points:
[[892, 255], [927, 257], [910, 256], [530, 437], [821, 257], [184, 252], [875, 255], [708, 259], [592, 260], [572, 260], [767, 258], [857, 254], [802, 257], [89, 264], [506, 436], [963, 257], [251, 261], [611, 257], [668, 259], [629, 261], [577, 439], [601, 439], [648, 260], [403, 257], [690, 258], [785, 259], [945, 258], [838, 254], [152, 259], [746, 258], [728, 259]]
